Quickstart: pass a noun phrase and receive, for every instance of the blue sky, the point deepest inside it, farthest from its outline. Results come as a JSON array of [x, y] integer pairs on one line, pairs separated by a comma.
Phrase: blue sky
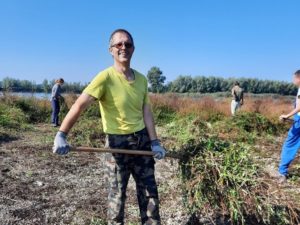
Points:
[[228, 38]]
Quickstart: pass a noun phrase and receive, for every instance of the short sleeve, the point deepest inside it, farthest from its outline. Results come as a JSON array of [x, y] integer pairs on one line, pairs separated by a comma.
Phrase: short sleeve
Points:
[[146, 97], [298, 94], [97, 87]]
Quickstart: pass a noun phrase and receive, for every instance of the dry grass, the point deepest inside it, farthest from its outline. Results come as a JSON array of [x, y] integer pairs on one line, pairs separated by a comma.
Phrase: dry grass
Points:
[[205, 106]]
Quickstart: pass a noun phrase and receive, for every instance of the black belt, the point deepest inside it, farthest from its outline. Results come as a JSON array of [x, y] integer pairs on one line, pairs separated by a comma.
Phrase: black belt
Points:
[[143, 131]]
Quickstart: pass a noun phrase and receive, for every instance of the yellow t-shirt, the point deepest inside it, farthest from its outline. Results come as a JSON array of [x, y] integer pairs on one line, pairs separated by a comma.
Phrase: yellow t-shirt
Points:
[[121, 102]]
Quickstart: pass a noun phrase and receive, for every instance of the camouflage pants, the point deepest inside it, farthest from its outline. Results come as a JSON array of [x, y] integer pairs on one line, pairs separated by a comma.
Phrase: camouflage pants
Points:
[[120, 167]]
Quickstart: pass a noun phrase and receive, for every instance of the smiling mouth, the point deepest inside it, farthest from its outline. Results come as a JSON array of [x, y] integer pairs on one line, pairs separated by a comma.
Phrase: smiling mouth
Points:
[[123, 53]]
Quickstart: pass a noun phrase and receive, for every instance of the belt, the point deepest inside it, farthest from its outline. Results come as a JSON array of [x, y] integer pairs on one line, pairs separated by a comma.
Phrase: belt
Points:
[[143, 131]]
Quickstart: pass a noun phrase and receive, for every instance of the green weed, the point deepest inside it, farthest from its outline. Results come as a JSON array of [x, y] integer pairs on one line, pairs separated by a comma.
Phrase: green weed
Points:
[[222, 179], [12, 117], [97, 221]]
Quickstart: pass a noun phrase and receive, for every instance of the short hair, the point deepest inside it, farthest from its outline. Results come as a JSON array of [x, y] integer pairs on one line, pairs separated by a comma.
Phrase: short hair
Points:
[[237, 83], [60, 80], [297, 73], [119, 31]]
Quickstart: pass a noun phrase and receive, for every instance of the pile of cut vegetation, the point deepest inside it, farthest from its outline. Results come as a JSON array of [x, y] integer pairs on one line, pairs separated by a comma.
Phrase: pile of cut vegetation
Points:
[[223, 182], [220, 177]]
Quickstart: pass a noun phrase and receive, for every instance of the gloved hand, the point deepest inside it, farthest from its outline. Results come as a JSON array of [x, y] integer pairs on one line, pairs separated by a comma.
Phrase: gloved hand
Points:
[[61, 145], [159, 151]]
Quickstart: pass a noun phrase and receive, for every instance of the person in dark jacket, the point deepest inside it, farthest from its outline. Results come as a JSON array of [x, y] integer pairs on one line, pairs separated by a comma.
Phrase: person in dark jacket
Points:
[[55, 97]]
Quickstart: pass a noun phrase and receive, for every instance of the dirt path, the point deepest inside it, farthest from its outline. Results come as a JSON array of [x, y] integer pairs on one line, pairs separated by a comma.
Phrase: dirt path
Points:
[[39, 187]]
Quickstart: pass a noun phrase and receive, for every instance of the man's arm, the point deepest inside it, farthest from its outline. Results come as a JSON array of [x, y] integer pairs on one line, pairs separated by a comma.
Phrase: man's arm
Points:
[[159, 151], [242, 98], [59, 90], [79, 106], [293, 112], [149, 122], [61, 145], [232, 92]]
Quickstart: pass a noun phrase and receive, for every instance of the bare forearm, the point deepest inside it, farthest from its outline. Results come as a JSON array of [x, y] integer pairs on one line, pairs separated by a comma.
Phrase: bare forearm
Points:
[[70, 118], [149, 123], [79, 106], [296, 110]]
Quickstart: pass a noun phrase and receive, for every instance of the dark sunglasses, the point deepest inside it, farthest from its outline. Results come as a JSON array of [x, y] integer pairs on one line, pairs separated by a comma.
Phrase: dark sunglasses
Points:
[[121, 44]]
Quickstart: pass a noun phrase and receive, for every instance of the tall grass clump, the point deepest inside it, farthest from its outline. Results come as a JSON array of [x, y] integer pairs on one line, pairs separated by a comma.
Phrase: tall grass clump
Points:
[[12, 121], [221, 180], [255, 122], [12, 117], [36, 110]]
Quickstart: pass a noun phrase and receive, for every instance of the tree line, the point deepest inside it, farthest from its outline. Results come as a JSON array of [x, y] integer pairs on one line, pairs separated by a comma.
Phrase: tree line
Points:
[[16, 85], [203, 84], [182, 84]]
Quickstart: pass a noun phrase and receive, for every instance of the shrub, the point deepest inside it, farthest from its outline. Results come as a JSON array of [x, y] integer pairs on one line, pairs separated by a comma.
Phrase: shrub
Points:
[[12, 117], [36, 110]]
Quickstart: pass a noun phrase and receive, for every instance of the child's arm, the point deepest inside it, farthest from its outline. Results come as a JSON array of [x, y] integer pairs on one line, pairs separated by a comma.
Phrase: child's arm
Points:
[[293, 112]]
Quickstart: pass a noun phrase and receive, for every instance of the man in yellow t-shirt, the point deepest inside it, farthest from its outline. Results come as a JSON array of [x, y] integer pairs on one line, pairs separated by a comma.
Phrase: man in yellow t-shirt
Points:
[[128, 122], [121, 101]]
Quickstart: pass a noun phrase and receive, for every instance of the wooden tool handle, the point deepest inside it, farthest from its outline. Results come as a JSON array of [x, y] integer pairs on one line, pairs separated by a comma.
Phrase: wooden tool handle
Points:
[[120, 151]]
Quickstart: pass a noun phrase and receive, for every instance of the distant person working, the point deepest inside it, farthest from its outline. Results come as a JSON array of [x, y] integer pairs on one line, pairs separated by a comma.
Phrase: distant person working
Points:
[[55, 100], [237, 98], [292, 142]]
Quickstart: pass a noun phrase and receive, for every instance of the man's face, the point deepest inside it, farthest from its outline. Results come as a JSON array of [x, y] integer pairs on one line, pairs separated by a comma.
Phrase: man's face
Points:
[[122, 48], [296, 80]]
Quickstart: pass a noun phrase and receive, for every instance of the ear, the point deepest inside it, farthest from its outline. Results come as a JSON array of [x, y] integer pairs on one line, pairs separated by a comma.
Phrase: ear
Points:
[[111, 51]]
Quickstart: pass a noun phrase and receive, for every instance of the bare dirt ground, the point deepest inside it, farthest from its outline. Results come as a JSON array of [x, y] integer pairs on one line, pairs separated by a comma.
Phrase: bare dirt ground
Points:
[[39, 187]]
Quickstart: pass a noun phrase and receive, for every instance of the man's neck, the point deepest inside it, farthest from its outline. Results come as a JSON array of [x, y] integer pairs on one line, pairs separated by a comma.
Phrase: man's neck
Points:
[[123, 68]]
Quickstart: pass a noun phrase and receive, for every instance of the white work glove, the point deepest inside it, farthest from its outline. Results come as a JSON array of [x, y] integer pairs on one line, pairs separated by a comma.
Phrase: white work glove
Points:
[[61, 145], [159, 151]]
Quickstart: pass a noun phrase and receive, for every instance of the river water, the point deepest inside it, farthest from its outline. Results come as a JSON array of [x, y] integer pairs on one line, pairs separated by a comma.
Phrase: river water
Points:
[[39, 95]]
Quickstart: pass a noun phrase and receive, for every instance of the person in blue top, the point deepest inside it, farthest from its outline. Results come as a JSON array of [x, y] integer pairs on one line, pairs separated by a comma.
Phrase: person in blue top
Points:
[[292, 142], [55, 97]]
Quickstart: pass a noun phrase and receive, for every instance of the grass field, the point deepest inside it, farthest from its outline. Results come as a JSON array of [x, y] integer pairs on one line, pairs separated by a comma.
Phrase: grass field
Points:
[[224, 176]]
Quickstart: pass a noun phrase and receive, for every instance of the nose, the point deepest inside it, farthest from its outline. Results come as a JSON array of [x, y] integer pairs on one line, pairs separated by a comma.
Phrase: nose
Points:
[[123, 46]]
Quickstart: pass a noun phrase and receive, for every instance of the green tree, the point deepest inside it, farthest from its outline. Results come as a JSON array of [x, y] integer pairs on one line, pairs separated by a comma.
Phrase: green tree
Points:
[[156, 80], [46, 86]]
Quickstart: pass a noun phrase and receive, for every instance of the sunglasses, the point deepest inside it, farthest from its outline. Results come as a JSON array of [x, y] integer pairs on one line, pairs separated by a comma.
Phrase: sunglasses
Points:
[[121, 44]]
